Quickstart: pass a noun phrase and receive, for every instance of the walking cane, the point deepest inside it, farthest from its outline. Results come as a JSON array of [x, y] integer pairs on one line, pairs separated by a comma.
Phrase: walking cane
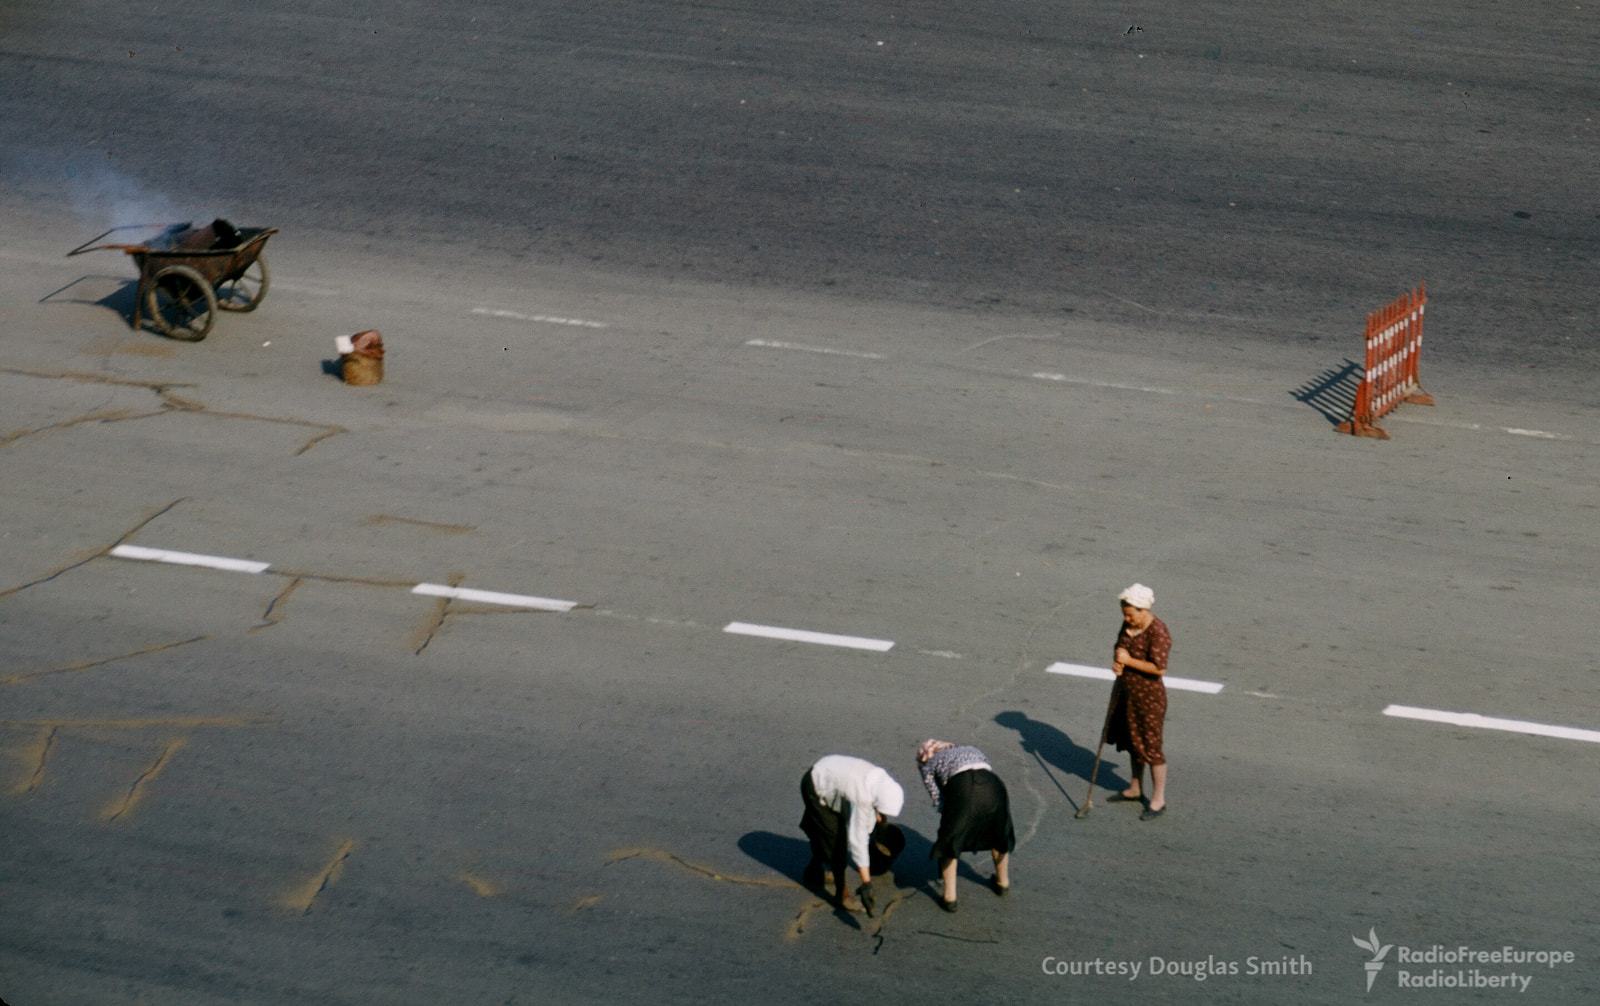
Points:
[[1088, 801]]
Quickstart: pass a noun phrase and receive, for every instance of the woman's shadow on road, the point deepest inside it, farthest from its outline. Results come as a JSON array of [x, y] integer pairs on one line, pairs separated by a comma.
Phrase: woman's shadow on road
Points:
[[913, 870], [1052, 748]]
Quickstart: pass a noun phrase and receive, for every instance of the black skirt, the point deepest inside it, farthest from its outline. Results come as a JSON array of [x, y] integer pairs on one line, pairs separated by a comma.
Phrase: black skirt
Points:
[[976, 815]]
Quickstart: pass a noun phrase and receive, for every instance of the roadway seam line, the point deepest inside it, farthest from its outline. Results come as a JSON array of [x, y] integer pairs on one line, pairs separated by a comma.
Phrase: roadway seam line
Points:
[[1492, 723], [190, 559], [807, 636], [493, 597], [775, 344], [1104, 674]]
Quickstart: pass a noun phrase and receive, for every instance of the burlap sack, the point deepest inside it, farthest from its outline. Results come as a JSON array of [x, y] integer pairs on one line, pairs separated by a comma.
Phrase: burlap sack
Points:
[[361, 369], [363, 364]]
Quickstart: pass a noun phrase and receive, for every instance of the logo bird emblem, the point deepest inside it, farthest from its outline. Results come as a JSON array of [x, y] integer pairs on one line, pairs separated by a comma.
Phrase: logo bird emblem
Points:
[[1378, 952]]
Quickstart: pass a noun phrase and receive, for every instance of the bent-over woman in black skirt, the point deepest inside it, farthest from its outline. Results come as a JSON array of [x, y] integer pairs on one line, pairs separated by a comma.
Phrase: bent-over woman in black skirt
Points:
[[974, 812]]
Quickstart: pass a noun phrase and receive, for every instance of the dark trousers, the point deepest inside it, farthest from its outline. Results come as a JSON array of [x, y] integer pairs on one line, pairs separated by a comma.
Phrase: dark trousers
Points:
[[829, 832], [826, 828]]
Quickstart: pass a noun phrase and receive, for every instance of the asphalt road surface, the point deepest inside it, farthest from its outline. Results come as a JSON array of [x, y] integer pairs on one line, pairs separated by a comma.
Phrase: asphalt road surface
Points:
[[924, 330]]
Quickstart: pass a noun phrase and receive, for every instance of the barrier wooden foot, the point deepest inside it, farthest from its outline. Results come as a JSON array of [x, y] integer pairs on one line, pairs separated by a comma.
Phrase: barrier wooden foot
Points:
[[1362, 430]]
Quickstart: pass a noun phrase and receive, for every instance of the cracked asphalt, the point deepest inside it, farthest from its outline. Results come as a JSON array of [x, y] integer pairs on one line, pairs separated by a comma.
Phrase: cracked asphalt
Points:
[[683, 368]]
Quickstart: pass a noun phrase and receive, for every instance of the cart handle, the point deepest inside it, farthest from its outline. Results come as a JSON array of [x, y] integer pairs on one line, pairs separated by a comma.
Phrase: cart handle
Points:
[[86, 246]]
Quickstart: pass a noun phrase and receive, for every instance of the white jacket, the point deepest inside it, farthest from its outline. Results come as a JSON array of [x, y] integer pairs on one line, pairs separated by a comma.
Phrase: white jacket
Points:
[[868, 789]]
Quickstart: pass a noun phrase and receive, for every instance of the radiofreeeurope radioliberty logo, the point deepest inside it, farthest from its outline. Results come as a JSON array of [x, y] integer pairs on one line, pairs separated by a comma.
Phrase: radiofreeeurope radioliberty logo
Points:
[[1370, 945], [1437, 966]]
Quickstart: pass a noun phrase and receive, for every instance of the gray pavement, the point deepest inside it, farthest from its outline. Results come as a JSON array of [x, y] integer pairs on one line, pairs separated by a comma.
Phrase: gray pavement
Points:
[[311, 784]]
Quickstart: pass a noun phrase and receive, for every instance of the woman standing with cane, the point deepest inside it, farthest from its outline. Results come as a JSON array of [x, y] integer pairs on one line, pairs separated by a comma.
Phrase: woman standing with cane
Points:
[[1139, 660]]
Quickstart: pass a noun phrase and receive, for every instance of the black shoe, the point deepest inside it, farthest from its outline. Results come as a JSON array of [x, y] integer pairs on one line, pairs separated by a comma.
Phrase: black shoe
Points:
[[995, 885], [1121, 798], [949, 906], [1151, 815]]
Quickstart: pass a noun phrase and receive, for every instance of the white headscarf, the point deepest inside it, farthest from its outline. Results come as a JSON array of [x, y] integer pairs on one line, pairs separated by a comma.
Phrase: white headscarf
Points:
[[1138, 596], [887, 796]]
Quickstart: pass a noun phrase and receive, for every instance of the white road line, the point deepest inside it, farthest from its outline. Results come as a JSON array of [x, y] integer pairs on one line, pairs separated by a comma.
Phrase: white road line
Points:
[[1515, 431], [493, 597], [189, 559], [1539, 434], [1149, 389], [547, 319], [769, 344], [804, 636], [1401, 417], [1104, 674], [1493, 723], [1064, 379]]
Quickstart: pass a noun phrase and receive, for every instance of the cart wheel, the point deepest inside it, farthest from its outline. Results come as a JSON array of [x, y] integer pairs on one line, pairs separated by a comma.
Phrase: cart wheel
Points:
[[181, 303], [245, 293]]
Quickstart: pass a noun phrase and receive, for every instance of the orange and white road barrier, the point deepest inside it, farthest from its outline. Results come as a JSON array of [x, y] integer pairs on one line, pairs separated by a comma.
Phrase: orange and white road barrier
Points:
[[1394, 345]]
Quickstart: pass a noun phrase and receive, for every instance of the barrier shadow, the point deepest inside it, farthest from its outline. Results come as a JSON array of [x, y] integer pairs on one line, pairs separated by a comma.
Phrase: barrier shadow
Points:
[[1053, 748], [114, 293], [1332, 392]]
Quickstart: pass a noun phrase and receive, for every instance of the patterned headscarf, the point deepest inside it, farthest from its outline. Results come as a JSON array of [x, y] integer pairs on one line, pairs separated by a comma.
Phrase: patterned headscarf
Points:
[[930, 747]]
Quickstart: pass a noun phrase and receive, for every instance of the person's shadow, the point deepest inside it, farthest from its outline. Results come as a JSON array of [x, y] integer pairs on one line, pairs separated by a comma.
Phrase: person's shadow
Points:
[[782, 853], [913, 870], [1053, 748]]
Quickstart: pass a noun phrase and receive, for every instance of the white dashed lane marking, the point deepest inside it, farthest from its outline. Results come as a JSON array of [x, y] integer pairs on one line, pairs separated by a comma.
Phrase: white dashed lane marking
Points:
[[1493, 723], [251, 566], [1104, 674], [189, 559], [493, 597], [1087, 382], [1515, 431], [1536, 434], [310, 291], [1474, 720], [807, 636], [771, 344], [543, 319]]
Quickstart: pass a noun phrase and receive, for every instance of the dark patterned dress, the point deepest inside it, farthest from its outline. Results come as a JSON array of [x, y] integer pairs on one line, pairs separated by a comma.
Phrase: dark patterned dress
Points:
[[1135, 724]]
